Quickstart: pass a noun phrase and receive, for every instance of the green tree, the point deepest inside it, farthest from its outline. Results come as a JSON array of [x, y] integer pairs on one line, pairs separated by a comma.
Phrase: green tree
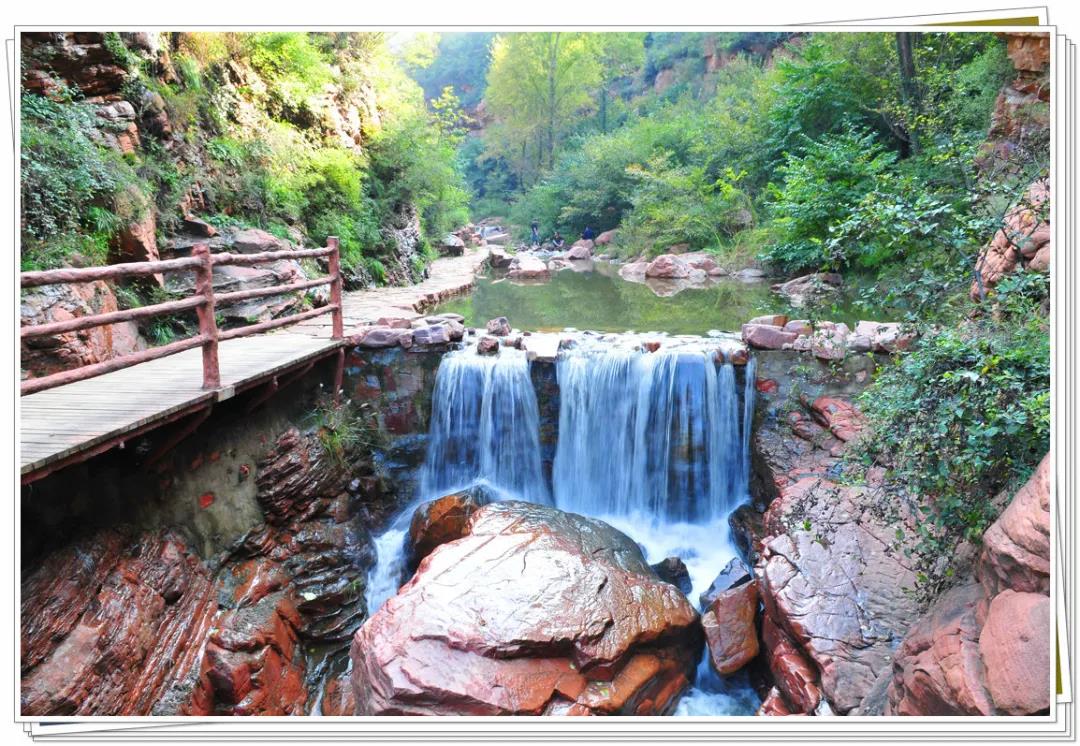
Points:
[[619, 54], [536, 82]]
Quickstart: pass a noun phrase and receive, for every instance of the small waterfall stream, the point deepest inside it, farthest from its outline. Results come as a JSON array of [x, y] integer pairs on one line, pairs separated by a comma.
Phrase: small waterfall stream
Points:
[[655, 444]]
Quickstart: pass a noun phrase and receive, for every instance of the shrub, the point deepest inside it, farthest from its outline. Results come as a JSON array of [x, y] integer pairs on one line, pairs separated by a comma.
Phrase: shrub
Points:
[[966, 414], [821, 186]]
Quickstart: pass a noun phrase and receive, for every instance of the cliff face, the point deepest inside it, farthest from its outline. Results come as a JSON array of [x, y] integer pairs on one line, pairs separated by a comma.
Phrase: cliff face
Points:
[[149, 143]]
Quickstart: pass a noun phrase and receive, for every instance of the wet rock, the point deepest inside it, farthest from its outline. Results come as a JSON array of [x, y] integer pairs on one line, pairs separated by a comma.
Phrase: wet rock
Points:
[[673, 570], [109, 623], [766, 336], [487, 346], [938, 669], [435, 334], [773, 705], [1016, 547], [794, 675], [295, 473], [499, 327], [809, 288], [437, 522], [747, 530], [668, 267], [338, 698], [1017, 651], [730, 629], [735, 573], [835, 580], [634, 271], [533, 611]]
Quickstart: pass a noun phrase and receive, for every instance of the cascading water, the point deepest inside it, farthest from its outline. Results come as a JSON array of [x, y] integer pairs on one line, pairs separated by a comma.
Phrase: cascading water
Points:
[[655, 444], [484, 432]]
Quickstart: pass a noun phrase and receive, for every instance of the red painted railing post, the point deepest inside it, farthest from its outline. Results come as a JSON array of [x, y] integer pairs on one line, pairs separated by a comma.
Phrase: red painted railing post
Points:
[[335, 288], [204, 286]]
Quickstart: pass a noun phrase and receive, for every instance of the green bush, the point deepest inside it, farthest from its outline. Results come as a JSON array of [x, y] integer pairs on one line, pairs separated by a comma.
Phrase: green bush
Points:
[[821, 187], [966, 414]]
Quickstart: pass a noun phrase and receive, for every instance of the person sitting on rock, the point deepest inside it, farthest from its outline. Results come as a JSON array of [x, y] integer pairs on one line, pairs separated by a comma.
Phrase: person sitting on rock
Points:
[[557, 240], [535, 233], [588, 234]]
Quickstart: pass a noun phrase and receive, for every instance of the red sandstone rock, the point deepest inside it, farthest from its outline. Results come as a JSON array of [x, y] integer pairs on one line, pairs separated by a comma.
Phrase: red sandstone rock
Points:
[[1017, 652], [528, 267], [1016, 547], [1022, 229], [668, 267], [532, 609], [829, 341], [778, 319], [256, 241], [338, 698], [634, 271], [499, 327], [377, 337], [800, 290], [938, 669], [44, 355], [794, 675], [730, 630], [800, 327], [841, 417], [834, 578], [487, 346], [766, 336], [437, 522], [111, 638], [606, 237], [774, 705]]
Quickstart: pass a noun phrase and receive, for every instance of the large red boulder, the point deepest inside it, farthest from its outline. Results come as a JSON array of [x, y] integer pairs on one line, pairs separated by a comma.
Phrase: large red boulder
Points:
[[730, 629], [533, 611], [1017, 652], [668, 267], [938, 669], [439, 521], [1016, 547], [1023, 233], [837, 580], [794, 675], [767, 336]]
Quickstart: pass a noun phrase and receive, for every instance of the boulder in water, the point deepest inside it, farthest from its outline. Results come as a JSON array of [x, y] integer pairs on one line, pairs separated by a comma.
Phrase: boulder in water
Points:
[[735, 573], [532, 611], [673, 570], [437, 522], [487, 346], [668, 267], [808, 288], [773, 705], [730, 629], [766, 336], [528, 267], [500, 327]]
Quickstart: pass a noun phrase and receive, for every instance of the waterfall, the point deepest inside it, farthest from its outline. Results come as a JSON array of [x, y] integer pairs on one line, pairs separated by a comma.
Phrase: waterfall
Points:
[[485, 428], [653, 434], [484, 432]]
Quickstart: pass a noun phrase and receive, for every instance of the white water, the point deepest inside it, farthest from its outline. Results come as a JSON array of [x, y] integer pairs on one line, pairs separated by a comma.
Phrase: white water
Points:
[[655, 444]]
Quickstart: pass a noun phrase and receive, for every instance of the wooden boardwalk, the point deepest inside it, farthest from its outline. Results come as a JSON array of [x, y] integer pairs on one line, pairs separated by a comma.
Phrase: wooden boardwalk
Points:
[[59, 422], [90, 415]]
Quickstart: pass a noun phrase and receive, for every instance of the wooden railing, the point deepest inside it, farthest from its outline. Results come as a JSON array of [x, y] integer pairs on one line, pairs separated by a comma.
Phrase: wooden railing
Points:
[[203, 302]]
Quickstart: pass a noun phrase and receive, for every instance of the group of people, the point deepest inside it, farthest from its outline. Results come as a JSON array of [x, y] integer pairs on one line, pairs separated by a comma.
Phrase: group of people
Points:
[[556, 239]]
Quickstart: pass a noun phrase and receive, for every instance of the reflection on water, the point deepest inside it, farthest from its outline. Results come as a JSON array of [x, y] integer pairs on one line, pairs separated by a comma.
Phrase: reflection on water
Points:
[[593, 296]]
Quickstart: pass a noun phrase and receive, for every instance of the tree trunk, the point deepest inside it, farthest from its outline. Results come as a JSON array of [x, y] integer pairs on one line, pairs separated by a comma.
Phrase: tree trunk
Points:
[[909, 84], [553, 63], [603, 108]]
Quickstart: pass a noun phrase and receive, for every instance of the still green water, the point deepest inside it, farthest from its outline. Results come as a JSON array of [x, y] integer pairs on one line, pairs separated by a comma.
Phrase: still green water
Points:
[[600, 300]]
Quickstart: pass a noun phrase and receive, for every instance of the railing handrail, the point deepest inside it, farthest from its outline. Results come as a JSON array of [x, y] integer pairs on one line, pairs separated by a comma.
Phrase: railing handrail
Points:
[[203, 302]]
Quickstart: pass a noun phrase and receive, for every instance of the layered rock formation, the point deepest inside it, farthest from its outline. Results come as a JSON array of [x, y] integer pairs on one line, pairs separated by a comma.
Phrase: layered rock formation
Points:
[[984, 648], [533, 611]]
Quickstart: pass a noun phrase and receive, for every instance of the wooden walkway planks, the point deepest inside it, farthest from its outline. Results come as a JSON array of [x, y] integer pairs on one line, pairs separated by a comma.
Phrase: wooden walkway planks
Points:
[[59, 422], [76, 418]]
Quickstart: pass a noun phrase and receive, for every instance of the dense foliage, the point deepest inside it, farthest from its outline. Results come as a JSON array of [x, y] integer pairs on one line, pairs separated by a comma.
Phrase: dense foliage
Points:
[[967, 414], [259, 124]]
